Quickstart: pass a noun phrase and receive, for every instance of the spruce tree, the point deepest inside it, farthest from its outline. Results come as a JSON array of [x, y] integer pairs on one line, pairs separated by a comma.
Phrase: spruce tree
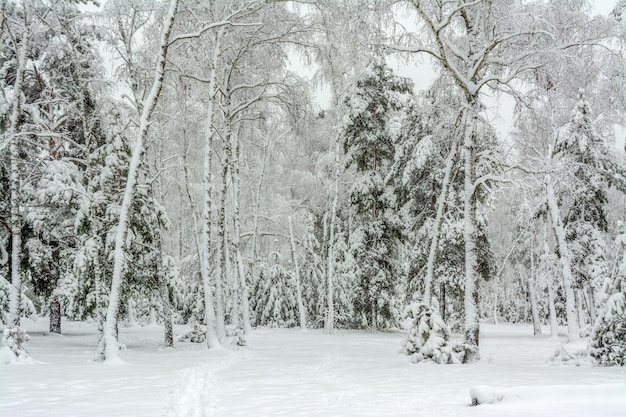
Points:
[[368, 136]]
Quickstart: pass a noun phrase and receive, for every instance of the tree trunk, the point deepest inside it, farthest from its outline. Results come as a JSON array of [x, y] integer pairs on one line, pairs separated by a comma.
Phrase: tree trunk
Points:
[[579, 306], [294, 256], [573, 331], [441, 205], [236, 178], [130, 307], [442, 301], [166, 305], [591, 304], [554, 326], [220, 253], [55, 317], [533, 296], [101, 306], [110, 350], [212, 338], [330, 313], [15, 295], [472, 325]]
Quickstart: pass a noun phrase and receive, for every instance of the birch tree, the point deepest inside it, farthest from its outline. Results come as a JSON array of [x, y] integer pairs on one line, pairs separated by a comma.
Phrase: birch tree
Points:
[[108, 349], [19, 24]]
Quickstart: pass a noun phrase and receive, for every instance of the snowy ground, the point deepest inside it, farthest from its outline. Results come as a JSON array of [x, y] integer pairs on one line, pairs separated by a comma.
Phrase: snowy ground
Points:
[[295, 373]]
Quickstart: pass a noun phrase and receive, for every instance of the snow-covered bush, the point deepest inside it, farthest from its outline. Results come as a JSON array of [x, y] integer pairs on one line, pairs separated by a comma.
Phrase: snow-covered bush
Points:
[[428, 336], [196, 335], [608, 338], [575, 354], [13, 351]]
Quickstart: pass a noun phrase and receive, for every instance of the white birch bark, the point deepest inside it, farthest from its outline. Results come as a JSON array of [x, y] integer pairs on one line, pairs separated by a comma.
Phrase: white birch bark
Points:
[[15, 296], [110, 349], [533, 296], [296, 266], [573, 331], [579, 305], [236, 179], [554, 326], [330, 313], [220, 250], [472, 325], [213, 340]]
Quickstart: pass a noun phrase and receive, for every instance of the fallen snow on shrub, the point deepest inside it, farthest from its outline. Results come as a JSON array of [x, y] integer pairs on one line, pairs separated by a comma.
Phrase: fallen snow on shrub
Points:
[[483, 394], [13, 352]]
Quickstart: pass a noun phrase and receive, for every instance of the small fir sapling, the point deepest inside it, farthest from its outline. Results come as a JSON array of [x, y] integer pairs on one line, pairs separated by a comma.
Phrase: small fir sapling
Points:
[[13, 351], [428, 336]]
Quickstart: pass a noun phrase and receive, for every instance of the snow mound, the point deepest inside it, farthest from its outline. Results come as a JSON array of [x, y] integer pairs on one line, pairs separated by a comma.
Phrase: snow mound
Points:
[[483, 394], [13, 352], [576, 354], [195, 392]]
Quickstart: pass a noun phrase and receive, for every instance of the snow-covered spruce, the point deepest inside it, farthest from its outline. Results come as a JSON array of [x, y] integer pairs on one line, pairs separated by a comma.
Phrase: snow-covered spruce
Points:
[[13, 351], [428, 336]]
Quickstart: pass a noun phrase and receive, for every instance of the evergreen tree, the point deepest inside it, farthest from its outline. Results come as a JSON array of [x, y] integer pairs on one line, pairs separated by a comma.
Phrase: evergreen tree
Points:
[[590, 168], [608, 338], [273, 296], [369, 133], [428, 336]]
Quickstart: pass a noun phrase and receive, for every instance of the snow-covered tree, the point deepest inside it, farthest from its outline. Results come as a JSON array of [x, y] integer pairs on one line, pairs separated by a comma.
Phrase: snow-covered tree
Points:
[[428, 338], [108, 348], [608, 338], [369, 133], [273, 296]]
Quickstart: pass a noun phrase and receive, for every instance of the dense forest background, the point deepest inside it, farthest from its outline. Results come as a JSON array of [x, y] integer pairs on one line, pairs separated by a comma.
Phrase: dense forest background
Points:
[[165, 162]]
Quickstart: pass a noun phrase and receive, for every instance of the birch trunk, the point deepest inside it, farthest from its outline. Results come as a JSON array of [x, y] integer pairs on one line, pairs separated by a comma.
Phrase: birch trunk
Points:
[[472, 325], [213, 340], [441, 205], [296, 266], [579, 304], [220, 253], [591, 304], [573, 331], [554, 326], [257, 207], [110, 349], [236, 178], [533, 296], [330, 313], [166, 305], [15, 300]]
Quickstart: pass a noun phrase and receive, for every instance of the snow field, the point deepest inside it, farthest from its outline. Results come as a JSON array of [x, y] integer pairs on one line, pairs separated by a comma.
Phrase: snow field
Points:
[[287, 372]]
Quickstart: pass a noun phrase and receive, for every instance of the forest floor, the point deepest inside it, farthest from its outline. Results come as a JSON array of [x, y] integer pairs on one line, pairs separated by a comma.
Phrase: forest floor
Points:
[[288, 372]]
